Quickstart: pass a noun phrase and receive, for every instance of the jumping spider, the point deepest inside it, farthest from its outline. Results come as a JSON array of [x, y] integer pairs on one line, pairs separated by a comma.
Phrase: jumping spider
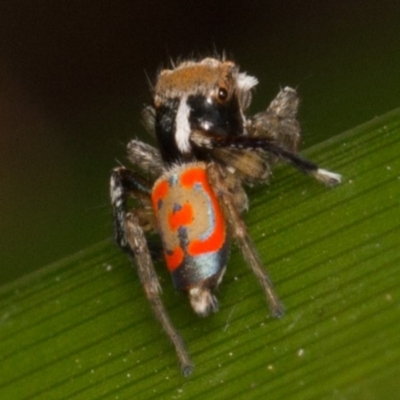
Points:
[[207, 151]]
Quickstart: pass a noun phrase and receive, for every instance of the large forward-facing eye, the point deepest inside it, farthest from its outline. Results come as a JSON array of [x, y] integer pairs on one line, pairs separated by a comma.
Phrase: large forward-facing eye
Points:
[[222, 94]]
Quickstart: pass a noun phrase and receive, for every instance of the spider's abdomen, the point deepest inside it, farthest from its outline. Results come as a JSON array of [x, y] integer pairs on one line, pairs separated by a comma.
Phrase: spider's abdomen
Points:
[[192, 226]]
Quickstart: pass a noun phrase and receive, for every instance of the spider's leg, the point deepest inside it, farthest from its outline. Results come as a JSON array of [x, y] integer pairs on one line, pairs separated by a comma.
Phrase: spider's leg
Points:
[[130, 236], [125, 183], [279, 121], [149, 280], [145, 156], [264, 144], [239, 232]]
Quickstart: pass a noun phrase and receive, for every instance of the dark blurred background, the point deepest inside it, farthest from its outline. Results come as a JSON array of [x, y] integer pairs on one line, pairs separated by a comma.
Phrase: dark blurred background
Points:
[[73, 79]]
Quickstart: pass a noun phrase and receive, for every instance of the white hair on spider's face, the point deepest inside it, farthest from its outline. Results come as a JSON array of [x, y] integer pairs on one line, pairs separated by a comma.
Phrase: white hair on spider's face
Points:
[[183, 126]]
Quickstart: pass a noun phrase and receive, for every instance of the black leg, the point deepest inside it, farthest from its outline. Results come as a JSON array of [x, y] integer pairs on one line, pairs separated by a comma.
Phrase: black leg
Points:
[[209, 140]]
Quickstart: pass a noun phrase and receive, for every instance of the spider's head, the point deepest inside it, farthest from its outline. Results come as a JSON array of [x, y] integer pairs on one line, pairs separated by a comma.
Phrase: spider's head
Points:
[[208, 95]]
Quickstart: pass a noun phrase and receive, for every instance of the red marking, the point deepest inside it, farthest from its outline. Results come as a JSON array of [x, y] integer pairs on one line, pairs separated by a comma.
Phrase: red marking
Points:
[[217, 238], [181, 217], [186, 215], [175, 259], [192, 176]]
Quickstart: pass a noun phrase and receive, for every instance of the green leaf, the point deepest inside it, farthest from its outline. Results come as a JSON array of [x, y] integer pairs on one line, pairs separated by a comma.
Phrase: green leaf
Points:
[[82, 328]]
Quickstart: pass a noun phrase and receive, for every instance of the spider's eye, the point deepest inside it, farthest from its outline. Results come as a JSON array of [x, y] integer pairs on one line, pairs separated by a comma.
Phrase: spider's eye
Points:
[[222, 94]]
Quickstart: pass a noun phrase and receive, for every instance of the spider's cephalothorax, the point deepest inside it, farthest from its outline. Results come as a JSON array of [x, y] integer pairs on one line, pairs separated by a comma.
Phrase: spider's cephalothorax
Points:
[[209, 95], [207, 150]]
